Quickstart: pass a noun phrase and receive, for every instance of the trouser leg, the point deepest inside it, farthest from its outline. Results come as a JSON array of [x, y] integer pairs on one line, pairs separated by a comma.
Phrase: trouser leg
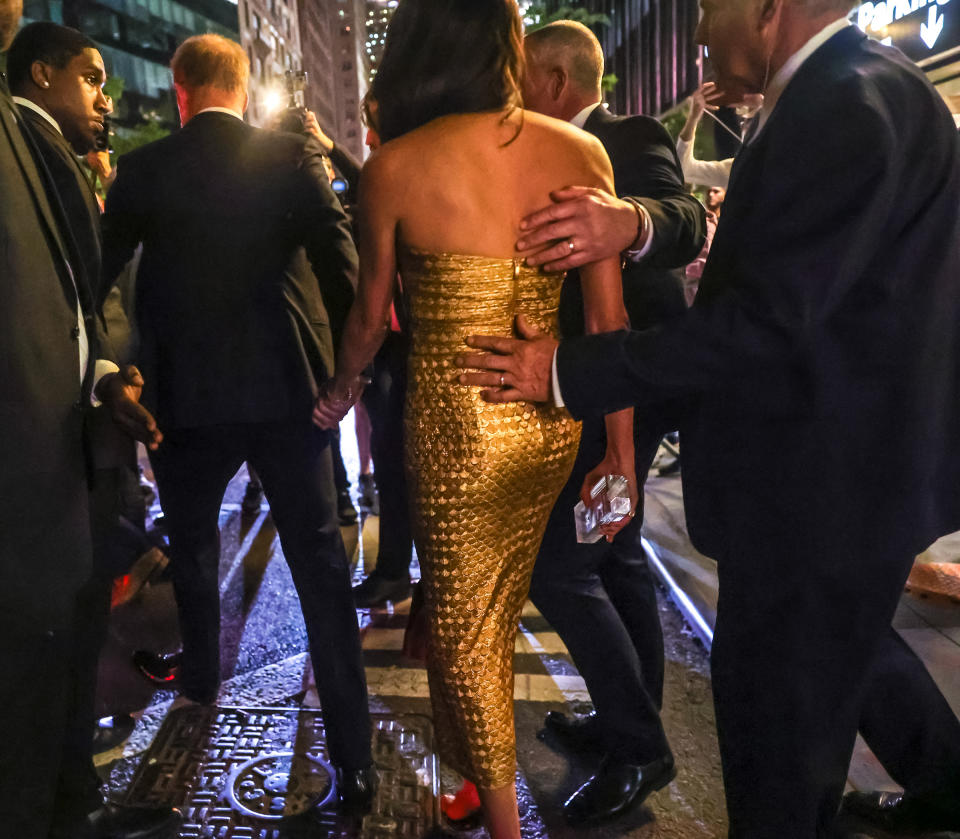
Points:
[[384, 399], [35, 697], [909, 725], [800, 618], [568, 589], [294, 463], [192, 469]]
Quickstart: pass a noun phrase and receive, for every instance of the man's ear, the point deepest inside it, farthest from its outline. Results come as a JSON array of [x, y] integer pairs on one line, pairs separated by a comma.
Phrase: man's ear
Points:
[[182, 103], [557, 82], [40, 74], [246, 102], [769, 11]]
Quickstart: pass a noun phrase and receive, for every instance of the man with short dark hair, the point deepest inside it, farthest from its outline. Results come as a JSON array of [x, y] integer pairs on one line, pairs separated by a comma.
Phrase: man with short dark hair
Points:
[[48, 787], [236, 334], [820, 444]]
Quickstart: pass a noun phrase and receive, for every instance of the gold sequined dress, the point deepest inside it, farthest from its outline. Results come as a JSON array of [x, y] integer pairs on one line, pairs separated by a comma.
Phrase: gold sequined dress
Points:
[[483, 479]]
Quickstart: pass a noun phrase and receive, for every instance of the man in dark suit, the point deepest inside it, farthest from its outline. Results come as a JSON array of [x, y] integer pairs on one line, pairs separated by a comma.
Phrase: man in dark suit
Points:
[[48, 788], [820, 443], [600, 597], [235, 334]]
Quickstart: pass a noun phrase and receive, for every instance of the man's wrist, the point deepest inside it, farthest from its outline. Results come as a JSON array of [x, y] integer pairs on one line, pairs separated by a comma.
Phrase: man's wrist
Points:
[[103, 371], [641, 243]]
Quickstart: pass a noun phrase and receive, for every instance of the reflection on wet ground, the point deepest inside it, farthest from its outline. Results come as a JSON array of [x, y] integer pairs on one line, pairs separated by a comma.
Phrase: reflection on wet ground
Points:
[[263, 663]]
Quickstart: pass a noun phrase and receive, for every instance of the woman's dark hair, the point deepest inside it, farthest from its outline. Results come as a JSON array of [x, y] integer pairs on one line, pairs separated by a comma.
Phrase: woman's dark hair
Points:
[[448, 57]]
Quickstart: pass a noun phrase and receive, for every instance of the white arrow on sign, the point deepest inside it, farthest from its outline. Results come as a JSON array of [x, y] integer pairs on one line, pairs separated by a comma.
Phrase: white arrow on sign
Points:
[[930, 31]]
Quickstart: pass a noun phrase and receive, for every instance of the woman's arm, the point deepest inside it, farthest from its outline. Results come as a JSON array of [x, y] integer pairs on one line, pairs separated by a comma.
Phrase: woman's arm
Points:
[[604, 311], [368, 320]]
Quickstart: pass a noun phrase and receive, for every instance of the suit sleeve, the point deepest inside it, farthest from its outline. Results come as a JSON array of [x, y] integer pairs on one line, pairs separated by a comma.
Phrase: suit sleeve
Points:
[[646, 168], [762, 330], [123, 224], [327, 239]]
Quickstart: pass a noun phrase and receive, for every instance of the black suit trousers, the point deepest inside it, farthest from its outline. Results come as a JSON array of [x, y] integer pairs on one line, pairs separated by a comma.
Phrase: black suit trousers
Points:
[[601, 600], [384, 399], [803, 655], [192, 469]]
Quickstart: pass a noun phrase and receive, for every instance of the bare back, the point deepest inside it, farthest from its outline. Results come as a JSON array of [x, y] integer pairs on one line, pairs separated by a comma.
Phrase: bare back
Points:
[[458, 185]]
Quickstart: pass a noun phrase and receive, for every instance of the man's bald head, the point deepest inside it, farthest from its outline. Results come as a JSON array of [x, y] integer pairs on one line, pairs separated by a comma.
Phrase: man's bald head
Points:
[[564, 69], [571, 45], [10, 11]]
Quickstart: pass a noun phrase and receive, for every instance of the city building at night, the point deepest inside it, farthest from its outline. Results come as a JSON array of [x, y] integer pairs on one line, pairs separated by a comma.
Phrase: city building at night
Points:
[[270, 33], [379, 13], [332, 32], [137, 39]]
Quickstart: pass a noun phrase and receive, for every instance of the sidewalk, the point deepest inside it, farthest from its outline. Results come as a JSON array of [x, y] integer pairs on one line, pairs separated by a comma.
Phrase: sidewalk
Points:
[[929, 623]]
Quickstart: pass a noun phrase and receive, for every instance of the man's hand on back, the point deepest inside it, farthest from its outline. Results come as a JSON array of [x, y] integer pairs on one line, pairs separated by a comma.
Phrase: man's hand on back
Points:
[[598, 225], [512, 370]]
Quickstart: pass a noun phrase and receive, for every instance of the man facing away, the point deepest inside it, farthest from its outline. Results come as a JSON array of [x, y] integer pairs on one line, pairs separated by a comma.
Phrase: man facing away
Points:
[[48, 653], [820, 444], [235, 332], [600, 597]]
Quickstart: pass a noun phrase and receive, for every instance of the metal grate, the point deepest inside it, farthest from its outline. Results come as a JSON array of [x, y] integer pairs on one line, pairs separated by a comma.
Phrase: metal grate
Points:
[[252, 773]]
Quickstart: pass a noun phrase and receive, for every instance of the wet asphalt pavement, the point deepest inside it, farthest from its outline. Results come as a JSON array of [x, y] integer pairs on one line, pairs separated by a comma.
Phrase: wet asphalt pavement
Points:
[[263, 663]]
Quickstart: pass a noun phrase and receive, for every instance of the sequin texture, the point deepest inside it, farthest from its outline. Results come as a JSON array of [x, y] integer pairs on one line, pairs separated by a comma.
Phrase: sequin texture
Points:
[[483, 480]]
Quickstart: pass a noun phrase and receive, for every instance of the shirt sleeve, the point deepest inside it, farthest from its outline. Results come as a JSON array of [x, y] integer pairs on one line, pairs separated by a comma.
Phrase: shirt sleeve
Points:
[[704, 172]]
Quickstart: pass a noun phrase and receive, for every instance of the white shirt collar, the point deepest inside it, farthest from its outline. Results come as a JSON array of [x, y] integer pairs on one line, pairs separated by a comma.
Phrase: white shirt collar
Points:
[[220, 111], [782, 78], [33, 106], [581, 119]]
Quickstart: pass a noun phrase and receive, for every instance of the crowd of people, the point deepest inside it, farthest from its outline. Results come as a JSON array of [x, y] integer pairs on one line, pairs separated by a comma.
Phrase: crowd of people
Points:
[[519, 259]]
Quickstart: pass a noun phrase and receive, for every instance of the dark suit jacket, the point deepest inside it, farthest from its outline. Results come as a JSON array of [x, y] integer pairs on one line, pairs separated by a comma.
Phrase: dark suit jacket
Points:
[[44, 520], [108, 446], [822, 349], [645, 167], [234, 327]]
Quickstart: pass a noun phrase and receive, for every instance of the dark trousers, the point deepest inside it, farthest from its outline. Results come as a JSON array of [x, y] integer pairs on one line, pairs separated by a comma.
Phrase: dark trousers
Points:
[[601, 600], [47, 694], [192, 469], [384, 399], [803, 655]]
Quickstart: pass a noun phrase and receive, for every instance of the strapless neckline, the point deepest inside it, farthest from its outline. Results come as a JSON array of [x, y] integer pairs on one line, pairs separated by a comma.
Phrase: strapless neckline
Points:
[[421, 252]]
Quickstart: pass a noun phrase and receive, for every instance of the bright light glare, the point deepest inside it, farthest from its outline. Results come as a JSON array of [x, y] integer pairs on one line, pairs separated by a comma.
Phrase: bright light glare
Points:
[[273, 101]]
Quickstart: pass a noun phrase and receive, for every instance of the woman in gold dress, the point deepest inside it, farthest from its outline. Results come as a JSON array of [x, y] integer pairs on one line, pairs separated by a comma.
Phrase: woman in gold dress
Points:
[[441, 202]]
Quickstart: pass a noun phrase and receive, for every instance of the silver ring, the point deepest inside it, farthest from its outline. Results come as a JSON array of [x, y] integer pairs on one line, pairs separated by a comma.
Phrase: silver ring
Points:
[[570, 245], [501, 380]]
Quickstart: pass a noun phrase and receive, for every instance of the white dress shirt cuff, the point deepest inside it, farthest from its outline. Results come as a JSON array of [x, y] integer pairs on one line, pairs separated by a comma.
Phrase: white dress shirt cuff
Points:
[[101, 368], [555, 382], [640, 253]]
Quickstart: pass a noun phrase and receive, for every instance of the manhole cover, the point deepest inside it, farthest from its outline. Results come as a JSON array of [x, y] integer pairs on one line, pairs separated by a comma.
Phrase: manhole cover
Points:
[[278, 786], [239, 773]]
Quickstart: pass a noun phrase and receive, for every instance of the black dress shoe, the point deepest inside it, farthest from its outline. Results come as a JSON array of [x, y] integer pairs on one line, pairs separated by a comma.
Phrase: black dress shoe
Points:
[[113, 821], [579, 734], [899, 813], [357, 788], [376, 590], [160, 669], [616, 788]]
